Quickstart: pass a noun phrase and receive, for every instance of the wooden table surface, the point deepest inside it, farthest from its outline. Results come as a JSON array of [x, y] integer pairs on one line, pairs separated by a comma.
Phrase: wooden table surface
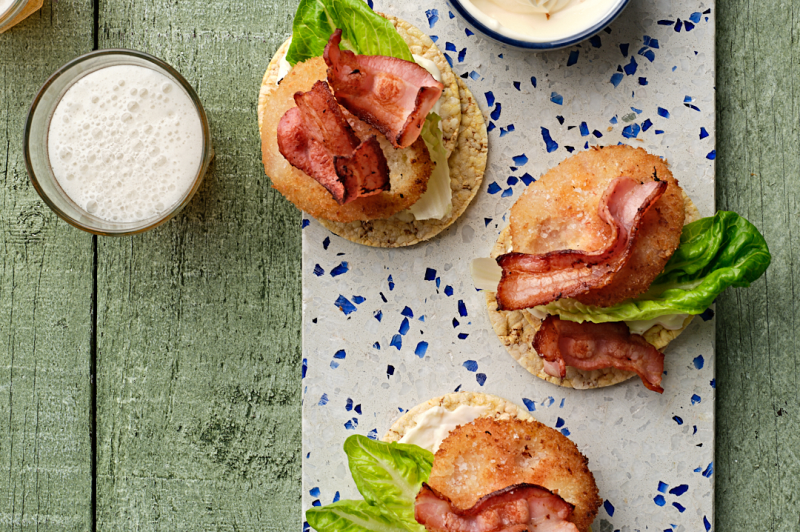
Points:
[[153, 382]]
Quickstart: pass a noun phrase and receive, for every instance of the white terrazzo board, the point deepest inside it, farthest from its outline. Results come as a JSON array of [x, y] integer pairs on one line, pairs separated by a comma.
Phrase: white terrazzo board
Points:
[[652, 455]]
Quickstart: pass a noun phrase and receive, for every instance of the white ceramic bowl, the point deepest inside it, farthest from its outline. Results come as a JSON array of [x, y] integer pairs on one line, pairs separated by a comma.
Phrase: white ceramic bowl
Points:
[[491, 28]]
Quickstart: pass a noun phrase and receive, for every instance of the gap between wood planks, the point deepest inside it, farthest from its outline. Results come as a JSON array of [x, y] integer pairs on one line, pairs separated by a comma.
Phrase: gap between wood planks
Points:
[[93, 334]]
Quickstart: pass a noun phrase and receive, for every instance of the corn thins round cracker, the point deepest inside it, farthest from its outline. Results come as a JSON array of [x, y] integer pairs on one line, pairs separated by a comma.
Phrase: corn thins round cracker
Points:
[[497, 408], [465, 140], [517, 328], [467, 165], [490, 454]]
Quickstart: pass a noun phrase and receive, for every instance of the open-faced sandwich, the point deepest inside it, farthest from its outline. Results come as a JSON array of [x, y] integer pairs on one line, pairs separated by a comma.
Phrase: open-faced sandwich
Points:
[[465, 462], [606, 260], [365, 127]]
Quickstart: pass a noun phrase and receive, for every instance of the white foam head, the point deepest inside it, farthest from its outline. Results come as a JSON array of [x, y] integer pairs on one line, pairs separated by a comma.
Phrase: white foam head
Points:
[[126, 143]]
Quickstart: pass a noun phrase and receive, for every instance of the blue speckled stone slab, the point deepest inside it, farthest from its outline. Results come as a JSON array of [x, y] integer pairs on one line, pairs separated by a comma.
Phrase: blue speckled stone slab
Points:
[[387, 329]]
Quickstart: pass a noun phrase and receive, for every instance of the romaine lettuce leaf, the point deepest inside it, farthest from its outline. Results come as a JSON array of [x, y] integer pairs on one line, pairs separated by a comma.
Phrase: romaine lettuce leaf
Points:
[[715, 253], [437, 201], [388, 474], [355, 516], [363, 31]]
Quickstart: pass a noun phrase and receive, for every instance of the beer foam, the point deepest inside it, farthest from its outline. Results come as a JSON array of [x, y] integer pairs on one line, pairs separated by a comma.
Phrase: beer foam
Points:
[[125, 143]]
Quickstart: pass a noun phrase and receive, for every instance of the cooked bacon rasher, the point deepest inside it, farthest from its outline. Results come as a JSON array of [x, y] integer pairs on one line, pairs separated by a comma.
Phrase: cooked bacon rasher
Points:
[[316, 138], [531, 280], [518, 508], [390, 94], [590, 346]]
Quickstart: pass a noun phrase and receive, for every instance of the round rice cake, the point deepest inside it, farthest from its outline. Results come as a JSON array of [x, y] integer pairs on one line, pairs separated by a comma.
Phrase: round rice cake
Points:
[[422, 45], [497, 408], [517, 328], [467, 166], [409, 168]]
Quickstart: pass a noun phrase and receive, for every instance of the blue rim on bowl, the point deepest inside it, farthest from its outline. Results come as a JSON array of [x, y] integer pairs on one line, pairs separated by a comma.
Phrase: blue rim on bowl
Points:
[[538, 46]]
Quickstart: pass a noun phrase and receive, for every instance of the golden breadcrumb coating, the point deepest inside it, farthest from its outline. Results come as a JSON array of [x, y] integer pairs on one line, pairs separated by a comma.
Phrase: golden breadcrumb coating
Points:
[[409, 168], [467, 165], [495, 407], [516, 329], [487, 455], [560, 211]]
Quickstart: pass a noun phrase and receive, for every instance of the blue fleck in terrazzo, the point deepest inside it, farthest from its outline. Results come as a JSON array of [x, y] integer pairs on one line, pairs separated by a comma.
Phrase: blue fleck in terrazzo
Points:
[[387, 329]]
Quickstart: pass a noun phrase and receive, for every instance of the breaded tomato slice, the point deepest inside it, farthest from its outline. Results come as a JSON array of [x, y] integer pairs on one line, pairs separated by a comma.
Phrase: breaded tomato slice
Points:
[[488, 455], [560, 211]]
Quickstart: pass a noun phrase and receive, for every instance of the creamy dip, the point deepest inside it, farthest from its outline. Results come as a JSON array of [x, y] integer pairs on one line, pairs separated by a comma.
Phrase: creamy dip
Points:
[[539, 20]]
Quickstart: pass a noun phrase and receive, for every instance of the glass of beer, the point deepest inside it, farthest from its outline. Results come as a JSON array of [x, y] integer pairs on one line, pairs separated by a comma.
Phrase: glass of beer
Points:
[[117, 142]]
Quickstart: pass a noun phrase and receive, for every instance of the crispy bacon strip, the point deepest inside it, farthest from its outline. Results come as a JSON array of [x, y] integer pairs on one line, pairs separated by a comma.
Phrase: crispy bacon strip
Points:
[[590, 346], [316, 138], [530, 280], [390, 94], [518, 508]]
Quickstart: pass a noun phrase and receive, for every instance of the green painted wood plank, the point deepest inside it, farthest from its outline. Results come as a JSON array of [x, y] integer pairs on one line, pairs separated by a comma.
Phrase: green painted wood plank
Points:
[[45, 301], [199, 321], [175, 449], [758, 349]]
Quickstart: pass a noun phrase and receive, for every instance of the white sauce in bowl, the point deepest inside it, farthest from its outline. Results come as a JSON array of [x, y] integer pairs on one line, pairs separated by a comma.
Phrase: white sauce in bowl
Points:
[[5, 5], [540, 21]]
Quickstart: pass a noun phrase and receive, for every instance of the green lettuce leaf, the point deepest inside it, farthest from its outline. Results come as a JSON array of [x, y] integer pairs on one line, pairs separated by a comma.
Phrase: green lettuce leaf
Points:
[[715, 253], [437, 201], [355, 516], [363, 31], [388, 474]]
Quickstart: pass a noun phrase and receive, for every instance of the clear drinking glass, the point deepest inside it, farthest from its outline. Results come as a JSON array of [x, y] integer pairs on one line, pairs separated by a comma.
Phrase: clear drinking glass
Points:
[[37, 126]]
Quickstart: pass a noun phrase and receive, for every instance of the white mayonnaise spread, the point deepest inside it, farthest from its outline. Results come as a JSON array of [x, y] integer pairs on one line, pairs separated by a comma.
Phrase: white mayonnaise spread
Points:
[[436, 423], [283, 65], [539, 20]]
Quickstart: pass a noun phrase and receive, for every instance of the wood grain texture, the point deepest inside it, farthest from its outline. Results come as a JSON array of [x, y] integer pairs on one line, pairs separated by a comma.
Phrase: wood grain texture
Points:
[[199, 320], [758, 346], [45, 301]]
